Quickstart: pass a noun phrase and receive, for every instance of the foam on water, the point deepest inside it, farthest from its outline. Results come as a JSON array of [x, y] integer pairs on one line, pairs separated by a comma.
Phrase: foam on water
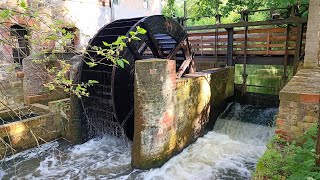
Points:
[[98, 158], [214, 156], [230, 151]]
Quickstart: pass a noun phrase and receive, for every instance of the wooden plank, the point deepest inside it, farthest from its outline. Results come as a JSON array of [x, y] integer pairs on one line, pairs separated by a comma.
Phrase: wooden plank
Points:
[[210, 52], [265, 30], [273, 52], [251, 31], [206, 46], [241, 52], [207, 33], [298, 48], [177, 47], [286, 56], [250, 39]]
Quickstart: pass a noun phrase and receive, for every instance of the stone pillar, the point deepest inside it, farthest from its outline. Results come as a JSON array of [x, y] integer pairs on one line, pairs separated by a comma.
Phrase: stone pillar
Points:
[[299, 104], [155, 126], [312, 50]]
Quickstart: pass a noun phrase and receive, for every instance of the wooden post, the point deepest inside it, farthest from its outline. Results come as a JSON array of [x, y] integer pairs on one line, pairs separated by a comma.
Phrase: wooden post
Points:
[[268, 41], [230, 47], [298, 48], [216, 45], [286, 56], [244, 74], [201, 45]]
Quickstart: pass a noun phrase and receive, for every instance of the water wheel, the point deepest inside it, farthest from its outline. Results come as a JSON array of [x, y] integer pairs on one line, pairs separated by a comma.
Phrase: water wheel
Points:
[[111, 101]]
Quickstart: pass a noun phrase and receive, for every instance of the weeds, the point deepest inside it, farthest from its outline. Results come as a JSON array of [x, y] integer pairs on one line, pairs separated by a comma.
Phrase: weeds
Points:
[[290, 160]]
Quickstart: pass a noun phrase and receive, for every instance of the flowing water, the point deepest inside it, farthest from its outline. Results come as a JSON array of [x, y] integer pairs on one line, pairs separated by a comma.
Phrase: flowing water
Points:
[[229, 151]]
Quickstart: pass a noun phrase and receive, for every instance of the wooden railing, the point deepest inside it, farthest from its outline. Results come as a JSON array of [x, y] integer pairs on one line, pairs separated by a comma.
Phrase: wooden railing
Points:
[[260, 41], [274, 42]]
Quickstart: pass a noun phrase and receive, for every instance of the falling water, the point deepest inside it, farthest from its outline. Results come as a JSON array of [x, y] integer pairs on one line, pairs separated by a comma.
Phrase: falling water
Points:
[[230, 151]]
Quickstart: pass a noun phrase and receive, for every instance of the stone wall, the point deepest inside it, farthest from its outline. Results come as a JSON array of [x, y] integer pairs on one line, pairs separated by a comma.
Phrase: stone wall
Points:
[[23, 133], [35, 76], [30, 126], [299, 104], [171, 113], [11, 93]]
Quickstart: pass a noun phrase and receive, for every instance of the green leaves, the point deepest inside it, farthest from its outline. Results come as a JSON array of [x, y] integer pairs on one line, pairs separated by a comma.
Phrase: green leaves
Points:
[[104, 43], [290, 160], [5, 14], [120, 63], [23, 4], [141, 30], [112, 51], [91, 64], [93, 82]]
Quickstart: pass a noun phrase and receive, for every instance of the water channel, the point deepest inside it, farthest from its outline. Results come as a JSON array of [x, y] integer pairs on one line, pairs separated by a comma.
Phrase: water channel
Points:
[[229, 151]]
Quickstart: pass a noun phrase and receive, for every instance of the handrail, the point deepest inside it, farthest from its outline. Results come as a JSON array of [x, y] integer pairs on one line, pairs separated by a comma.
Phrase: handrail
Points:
[[292, 20]]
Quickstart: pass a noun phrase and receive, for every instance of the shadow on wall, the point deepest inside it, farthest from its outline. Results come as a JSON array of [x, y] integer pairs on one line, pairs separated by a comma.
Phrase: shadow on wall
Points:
[[171, 113]]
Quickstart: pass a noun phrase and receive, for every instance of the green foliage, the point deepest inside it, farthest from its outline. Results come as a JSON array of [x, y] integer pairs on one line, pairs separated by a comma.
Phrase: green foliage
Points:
[[202, 12], [290, 160], [112, 52], [170, 9]]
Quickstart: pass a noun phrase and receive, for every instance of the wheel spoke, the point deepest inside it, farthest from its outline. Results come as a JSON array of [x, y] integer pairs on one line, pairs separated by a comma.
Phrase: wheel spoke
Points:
[[152, 42]]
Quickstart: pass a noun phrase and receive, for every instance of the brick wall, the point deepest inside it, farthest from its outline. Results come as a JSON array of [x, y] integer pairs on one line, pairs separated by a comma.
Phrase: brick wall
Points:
[[299, 104], [35, 76], [171, 113]]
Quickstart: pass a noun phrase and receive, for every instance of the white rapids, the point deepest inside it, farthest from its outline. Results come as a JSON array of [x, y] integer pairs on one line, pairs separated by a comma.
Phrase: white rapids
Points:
[[229, 151]]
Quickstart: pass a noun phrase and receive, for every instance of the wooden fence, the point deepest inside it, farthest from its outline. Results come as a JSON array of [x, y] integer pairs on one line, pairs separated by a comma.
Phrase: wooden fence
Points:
[[260, 41]]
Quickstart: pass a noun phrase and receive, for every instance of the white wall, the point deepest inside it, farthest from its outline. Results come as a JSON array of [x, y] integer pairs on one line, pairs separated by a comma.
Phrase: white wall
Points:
[[89, 15], [136, 8]]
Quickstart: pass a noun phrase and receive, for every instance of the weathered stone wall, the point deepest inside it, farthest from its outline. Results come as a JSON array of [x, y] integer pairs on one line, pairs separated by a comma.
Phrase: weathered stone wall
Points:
[[171, 113], [46, 123], [35, 76], [299, 104], [11, 93], [27, 133], [72, 130]]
